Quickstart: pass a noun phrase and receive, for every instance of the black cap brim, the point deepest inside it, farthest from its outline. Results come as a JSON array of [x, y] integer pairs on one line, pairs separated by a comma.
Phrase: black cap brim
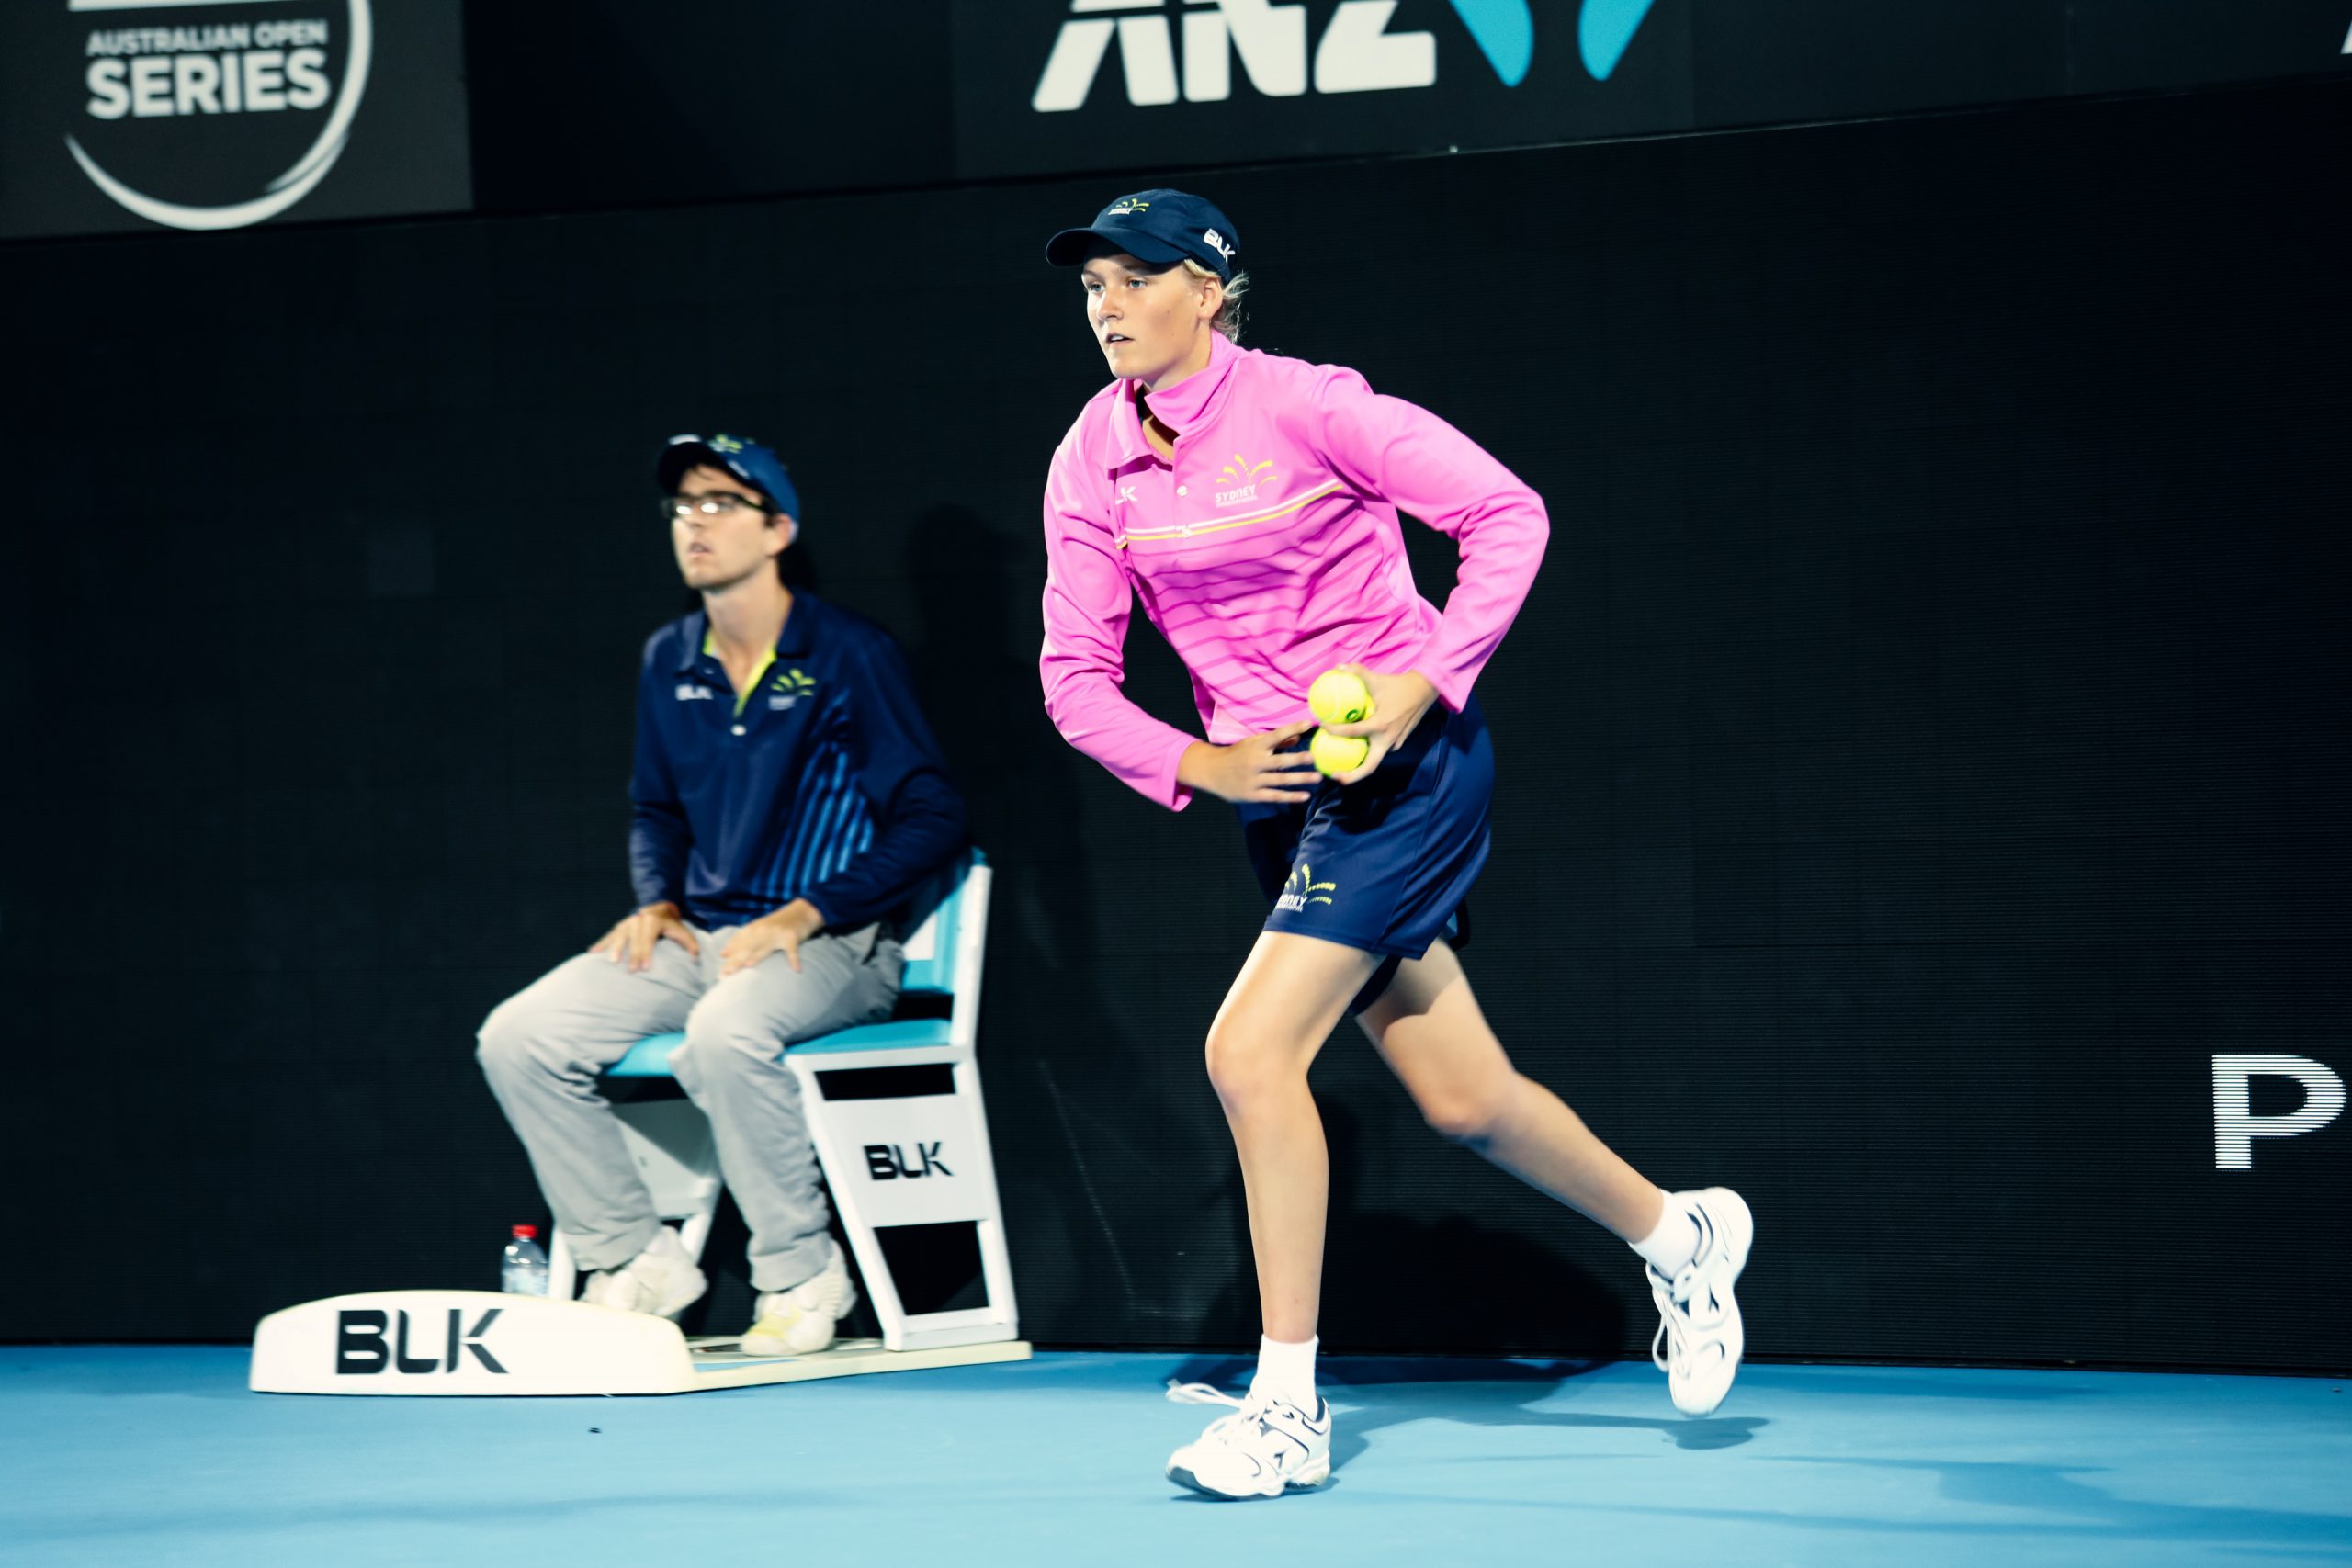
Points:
[[1068, 248], [683, 453]]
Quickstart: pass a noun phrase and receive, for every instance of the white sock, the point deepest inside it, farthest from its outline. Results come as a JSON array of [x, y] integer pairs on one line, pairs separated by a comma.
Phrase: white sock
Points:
[[1286, 1372], [1670, 1247]]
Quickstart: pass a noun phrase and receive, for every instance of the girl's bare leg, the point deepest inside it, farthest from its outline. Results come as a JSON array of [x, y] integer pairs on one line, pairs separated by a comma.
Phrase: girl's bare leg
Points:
[[1288, 997], [1428, 1028]]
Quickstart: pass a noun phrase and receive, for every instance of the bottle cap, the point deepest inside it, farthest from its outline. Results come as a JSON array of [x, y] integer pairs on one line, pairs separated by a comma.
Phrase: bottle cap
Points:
[[526, 1233]]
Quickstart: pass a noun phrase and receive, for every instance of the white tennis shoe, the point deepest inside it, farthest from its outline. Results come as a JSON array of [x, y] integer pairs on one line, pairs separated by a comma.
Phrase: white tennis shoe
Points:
[[661, 1280], [800, 1320], [1265, 1448], [1699, 1337]]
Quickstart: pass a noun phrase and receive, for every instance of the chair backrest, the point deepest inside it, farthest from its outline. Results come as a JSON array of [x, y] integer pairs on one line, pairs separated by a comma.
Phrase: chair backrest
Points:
[[936, 947]]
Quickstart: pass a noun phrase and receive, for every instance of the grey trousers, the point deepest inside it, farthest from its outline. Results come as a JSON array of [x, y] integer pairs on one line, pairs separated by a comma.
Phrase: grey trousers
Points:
[[542, 1049]]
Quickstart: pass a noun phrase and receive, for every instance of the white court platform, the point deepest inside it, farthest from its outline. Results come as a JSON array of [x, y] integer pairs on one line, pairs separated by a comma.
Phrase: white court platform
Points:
[[481, 1342]]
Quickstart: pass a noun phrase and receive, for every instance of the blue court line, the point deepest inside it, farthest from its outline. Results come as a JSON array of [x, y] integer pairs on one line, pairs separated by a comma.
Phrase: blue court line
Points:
[[117, 1455]]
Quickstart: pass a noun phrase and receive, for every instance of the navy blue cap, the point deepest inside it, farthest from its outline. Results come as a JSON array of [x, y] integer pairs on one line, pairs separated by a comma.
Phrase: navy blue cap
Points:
[[1154, 226], [748, 460]]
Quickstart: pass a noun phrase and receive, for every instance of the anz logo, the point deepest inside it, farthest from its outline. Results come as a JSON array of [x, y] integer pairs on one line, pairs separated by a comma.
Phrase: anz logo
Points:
[[1357, 54]]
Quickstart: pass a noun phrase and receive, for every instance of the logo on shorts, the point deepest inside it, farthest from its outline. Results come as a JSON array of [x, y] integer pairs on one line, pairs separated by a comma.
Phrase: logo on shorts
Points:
[[1242, 478], [1302, 890]]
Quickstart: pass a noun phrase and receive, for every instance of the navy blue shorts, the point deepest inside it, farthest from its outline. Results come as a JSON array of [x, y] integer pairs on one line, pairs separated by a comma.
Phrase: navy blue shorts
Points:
[[1383, 865]]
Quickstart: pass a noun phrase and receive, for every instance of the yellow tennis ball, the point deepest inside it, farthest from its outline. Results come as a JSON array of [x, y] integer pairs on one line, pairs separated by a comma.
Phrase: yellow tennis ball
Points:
[[1337, 754], [1340, 697]]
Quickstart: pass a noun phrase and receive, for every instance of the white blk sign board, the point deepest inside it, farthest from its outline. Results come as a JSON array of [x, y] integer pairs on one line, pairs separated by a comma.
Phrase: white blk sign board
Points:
[[481, 1342]]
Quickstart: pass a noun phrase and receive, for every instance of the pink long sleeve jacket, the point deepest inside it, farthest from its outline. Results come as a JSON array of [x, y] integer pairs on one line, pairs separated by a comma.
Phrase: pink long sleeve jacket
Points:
[[1266, 552]]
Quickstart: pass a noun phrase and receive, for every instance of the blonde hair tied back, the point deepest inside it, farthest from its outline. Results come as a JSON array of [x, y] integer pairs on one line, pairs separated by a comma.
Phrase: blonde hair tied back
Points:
[[1228, 315]]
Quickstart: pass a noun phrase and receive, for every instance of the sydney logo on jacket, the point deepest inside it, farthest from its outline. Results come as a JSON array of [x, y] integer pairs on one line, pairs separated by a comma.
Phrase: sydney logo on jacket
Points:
[[789, 688], [1240, 480], [1356, 52]]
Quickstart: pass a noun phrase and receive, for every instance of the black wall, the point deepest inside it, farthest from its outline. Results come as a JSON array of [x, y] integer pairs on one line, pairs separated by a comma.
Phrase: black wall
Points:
[[614, 103], [1924, 749]]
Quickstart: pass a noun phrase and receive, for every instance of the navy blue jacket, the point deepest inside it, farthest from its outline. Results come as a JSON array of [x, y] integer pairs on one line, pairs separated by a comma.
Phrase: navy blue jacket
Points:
[[827, 785]]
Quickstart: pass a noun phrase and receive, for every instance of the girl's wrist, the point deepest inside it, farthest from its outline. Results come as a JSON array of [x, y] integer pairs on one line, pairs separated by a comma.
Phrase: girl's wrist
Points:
[[1195, 767]]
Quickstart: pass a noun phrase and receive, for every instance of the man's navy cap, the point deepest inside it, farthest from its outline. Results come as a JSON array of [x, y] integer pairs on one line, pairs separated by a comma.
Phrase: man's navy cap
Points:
[[748, 460], [1155, 226]]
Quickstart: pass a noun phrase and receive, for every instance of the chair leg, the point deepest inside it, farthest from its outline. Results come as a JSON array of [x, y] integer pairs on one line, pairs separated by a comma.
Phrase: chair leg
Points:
[[693, 1230], [868, 1197], [563, 1275], [995, 1262]]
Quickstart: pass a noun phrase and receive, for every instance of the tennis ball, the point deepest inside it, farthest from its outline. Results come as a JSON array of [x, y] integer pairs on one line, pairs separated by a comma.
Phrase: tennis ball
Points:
[[1337, 754], [1340, 697]]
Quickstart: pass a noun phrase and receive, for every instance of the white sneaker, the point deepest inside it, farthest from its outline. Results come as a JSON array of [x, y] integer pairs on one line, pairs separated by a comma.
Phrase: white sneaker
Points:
[[662, 1281], [1699, 1337], [800, 1320], [1266, 1448]]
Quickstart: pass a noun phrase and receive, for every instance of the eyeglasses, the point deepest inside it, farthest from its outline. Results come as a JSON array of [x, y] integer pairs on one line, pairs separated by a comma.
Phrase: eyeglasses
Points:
[[717, 503]]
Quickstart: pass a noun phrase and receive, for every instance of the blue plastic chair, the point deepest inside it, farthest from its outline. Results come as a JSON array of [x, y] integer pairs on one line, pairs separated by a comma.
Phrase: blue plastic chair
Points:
[[917, 1154]]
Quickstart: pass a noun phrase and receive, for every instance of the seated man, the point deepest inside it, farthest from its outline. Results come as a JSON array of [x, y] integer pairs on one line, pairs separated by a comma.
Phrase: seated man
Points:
[[788, 799]]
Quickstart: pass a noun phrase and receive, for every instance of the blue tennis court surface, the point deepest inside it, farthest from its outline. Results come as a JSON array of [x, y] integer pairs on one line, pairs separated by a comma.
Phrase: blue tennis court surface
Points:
[[159, 1455]]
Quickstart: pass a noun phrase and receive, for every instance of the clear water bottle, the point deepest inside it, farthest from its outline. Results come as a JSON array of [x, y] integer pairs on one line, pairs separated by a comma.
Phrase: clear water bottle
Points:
[[525, 1270]]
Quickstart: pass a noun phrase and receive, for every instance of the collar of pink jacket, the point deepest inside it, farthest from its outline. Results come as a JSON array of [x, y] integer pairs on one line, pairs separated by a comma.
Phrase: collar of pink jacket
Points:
[[1185, 407]]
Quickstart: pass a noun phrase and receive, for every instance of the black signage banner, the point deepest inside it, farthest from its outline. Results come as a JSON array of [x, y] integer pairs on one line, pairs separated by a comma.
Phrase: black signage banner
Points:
[[1074, 84], [206, 115], [212, 114], [1047, 86]]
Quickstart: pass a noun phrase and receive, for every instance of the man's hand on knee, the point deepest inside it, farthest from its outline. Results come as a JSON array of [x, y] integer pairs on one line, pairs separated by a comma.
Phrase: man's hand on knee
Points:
[[632, 940], [782, 931]]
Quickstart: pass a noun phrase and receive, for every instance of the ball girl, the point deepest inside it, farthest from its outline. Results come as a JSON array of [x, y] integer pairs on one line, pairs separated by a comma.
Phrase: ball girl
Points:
[[1250, 501]]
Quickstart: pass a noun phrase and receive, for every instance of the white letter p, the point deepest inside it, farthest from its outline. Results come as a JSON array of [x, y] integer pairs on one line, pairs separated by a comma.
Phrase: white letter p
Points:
[[2236, 1126]]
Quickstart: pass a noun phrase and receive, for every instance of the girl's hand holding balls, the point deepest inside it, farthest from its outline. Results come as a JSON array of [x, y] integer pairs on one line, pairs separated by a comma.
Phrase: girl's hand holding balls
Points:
[[1337, 754], [1385, 709], [1269, 767], [1339, 696]]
